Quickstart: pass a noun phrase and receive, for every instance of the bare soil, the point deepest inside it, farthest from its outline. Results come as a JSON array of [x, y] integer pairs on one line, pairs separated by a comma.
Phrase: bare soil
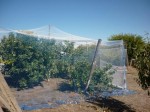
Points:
[[139, 102]]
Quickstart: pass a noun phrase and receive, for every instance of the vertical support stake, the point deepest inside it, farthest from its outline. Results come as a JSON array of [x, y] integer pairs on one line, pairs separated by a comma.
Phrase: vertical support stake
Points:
[[93, 65]]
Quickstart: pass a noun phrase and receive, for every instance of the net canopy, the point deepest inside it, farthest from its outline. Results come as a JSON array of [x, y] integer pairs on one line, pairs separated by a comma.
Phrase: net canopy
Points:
[[50, 32], [51, 66], [113, 55]]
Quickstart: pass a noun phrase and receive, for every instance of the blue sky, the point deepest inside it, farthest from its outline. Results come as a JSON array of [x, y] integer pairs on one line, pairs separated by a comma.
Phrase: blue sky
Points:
[[87, 18]]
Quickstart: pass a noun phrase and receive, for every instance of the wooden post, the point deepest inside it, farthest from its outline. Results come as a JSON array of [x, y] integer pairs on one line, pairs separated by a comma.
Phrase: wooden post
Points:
[[4, 102], [93, 65], [6, 96]]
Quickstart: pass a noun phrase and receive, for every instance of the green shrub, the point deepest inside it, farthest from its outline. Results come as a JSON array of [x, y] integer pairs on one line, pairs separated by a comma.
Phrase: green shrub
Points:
[[80, 74], [143, 66], [29, 60], [22, 83], [102, 78]]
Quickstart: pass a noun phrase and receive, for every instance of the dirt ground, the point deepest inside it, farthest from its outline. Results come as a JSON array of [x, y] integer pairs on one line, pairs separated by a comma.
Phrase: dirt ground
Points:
[[139, 102]]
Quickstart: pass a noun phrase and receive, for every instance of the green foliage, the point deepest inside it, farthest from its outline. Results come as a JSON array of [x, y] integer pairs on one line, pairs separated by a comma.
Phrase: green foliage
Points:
[[143, 65], [1, 61], [80, 74], [21, 61], [133, 43], [48, 49], [102, 78], [22, 83], [29, 60]]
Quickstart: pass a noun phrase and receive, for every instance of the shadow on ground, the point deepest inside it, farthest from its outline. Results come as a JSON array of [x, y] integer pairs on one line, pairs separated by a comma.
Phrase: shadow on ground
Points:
[[65, 87], [112, 104], [11, 83]]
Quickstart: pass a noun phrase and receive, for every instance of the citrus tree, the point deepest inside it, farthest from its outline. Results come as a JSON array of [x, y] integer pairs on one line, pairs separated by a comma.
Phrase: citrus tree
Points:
[[21, 61], [29, 60]]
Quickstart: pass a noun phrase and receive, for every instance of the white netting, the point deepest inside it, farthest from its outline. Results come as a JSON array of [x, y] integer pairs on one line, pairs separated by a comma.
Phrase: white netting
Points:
[[60, 62], [51, 32], [113, 53]]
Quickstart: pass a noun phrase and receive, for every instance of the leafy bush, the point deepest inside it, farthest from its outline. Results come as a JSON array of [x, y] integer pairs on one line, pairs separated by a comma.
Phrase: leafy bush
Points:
[[22, 83], [29, 60], [102, 78], [80, 74], [143, 66], [21, 61]]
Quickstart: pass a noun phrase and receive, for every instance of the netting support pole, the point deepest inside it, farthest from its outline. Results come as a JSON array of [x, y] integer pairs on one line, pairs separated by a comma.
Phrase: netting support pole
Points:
[[87, 47], [93, 65], [124, 59], [49, 31], [127, 59]]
